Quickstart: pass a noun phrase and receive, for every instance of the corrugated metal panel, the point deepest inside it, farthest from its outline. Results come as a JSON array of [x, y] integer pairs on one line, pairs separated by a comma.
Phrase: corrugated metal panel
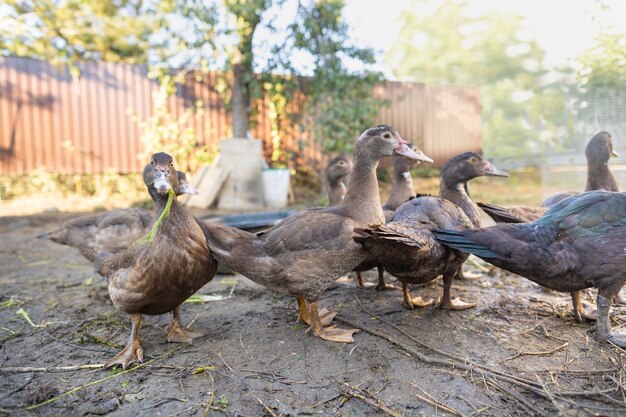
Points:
[[50, 121]]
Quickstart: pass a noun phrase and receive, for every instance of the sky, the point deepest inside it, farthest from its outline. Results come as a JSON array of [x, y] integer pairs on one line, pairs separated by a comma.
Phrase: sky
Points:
[[563, 27]]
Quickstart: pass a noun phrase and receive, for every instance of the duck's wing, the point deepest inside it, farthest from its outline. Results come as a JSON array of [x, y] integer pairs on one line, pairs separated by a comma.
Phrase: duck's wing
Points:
[[307, 230], [512, 214], [413, 220], [551, 244]]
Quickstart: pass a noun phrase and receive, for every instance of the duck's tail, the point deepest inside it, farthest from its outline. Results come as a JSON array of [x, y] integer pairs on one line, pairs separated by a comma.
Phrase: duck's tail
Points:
[[499, 214], [370, 235], [456, 239], [223, 239]]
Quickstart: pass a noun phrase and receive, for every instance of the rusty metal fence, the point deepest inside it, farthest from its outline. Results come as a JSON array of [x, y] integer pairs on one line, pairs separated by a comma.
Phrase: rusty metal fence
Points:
[[50, 121]]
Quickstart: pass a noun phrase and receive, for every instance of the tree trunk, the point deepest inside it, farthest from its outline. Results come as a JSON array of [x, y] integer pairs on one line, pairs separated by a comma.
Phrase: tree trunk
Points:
[[240, 102]]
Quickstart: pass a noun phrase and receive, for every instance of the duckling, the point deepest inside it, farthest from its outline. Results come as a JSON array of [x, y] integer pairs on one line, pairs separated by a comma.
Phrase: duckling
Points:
[[155, 275], [306, 252], [578, 244]]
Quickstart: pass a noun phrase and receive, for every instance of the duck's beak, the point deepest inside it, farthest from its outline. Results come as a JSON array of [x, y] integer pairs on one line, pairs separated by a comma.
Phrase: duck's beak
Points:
[[161, 181], [492, 171], [614, 153], [404, 150], [186, 188]]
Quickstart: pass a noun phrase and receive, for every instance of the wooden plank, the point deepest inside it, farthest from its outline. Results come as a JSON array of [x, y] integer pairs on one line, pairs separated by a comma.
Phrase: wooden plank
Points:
[[208, 181]]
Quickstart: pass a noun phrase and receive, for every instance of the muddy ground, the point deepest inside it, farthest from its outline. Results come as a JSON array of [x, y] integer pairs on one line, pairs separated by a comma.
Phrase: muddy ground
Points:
[[518, 353]]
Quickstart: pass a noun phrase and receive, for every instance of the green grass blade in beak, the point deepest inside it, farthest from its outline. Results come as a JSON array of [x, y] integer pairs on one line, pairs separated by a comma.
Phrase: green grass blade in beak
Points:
[[149, 238]]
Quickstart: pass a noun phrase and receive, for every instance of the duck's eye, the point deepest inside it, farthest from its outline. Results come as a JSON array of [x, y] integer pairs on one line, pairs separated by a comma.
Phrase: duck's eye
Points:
[[172, 164], [152, 162], [387, 136], [473, 159]]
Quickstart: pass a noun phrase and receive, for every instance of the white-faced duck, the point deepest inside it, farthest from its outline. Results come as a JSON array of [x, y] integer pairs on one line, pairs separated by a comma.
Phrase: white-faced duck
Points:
[[157, 273]]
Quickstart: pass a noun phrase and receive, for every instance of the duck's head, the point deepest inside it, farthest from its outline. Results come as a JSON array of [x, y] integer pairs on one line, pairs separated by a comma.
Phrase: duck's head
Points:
[[160, 174], [600, 148], [184, 187], [468, 165], [338, 167], [383, 140], [402, 165]]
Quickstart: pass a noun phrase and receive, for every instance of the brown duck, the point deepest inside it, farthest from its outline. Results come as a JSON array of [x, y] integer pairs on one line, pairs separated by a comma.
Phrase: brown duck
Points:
[[338, 168], [401, 192], [110, 231], [156, 277], [578, 244], [599, 177], [306, 252], [405, 245]]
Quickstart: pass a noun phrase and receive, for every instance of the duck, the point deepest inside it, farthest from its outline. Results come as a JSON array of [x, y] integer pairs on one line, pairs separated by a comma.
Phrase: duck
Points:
[[156, 274], [405, 245], [110, 231], [401, 191], [338, 168], [577, 244], [306, 252], [599, 151]]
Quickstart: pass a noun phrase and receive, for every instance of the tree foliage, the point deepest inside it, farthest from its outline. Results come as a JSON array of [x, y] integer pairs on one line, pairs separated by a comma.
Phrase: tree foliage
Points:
[[66, 31], [219, 34], [524, 113]]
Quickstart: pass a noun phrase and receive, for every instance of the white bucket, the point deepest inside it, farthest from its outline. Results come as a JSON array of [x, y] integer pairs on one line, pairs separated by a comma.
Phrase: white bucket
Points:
[[275, 187]]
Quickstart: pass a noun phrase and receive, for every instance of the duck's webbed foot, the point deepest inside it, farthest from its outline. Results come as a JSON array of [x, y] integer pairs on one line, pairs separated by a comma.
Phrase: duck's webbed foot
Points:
[[467, 275], [179, 334], [454, 304], [447, 303], [133, 351], [331, 333], [413, 302], [603, 325]]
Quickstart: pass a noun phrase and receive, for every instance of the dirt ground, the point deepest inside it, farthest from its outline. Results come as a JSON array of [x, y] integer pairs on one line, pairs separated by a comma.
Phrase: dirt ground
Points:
[[518, 353]]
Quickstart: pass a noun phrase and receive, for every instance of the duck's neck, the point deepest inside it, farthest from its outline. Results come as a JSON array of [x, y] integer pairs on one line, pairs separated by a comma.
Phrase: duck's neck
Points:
[[362, 201], [458, 193], [401, 189], [599, 177], [160, 203], [336, 191]]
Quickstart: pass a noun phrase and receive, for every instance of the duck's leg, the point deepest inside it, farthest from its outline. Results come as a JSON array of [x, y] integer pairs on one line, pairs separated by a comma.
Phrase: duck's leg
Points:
[[179, 334], [133, 351], [411, 303], [382, 285], [603, 325], [619, 299], [580, 312], [331, 333], [359, 280], [326, 316], [447, 303]]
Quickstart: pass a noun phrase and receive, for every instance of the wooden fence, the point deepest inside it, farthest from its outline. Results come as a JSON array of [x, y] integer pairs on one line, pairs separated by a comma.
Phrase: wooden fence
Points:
[[49, 121]]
